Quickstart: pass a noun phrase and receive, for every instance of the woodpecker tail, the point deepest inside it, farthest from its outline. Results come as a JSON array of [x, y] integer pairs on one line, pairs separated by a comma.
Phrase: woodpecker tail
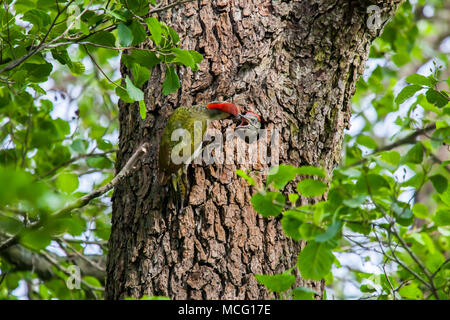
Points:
[[178, 190]]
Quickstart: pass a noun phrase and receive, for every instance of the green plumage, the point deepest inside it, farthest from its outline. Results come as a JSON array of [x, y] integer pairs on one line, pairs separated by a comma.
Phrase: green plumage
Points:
[[185, 118]]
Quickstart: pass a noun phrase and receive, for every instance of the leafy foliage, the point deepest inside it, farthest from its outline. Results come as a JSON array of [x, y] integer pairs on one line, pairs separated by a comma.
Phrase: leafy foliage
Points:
[[388, 201], [59, 128]]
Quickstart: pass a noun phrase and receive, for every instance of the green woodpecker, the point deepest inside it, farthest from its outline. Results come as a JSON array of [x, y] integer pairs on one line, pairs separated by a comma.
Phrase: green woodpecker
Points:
[[192, 124]]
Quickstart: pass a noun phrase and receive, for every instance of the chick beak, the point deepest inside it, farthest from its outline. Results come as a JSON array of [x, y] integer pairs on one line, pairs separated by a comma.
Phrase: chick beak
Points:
[[244, 121]]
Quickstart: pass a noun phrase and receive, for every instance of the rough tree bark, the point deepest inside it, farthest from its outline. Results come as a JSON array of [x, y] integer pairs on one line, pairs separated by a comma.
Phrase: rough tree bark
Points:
[[294, 62]]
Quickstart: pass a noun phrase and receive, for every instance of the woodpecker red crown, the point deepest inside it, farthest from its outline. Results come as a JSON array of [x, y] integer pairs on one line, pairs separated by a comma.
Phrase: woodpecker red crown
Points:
[[227, 107]]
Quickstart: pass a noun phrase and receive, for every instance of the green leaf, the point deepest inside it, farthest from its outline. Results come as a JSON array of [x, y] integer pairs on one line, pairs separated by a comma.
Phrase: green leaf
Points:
[[79, 145], [37, 18], [414, 155], [411, 291], [441, 124], [173, 35], [415, 181], [332, 231], [355, 202], [138, 31], [420, 210], [406, 93], [377, 182], [311, 188], [302, 293], [123, 95], [61, 56], [38, 72], [155, 29], [268, 204], [442, 217], [243, 175], [184, 57], [366, 141], [277, 282], [439, 182], [142, 110], [140, 74], [92, 281], [120, 14], [401, 58], [196, 56], [103, 38], [309, 231], [291, 222], [311, 171], [315, 261], [293, 197], [171, 83], [99, 162], [281, 175], [77, 68], [36, 239], [62, 127], [403, 214], [10, 225], [437, 98], [391, 157], [125, 35], [134, 93], [423, 102], [139, 7], [145, 58], [367, 288], [67, 182], [420, 80]]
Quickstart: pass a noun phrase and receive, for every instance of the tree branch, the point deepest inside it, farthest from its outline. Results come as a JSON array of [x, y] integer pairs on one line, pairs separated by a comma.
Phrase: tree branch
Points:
[[440, 267], [83, 201], [39, 47], [169, 6], [126, 170], [406, 140], [101, 70], [55, 263], [24, 259]]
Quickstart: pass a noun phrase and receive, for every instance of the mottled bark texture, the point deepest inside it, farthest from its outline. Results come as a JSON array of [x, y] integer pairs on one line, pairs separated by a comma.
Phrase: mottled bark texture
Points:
[[294, 62]]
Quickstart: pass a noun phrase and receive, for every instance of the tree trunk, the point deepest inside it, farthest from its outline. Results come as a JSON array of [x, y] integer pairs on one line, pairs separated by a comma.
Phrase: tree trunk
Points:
[[295, 63]]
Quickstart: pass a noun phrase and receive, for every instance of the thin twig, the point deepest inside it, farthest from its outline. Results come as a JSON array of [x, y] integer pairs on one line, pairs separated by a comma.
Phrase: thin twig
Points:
[[155, 10], [83, 257], [126, 170], [54, 262], [101, 70], [406, 140], [387, 278], [99, 243], [32, 51], [7, 243], [54, 21], [391, 230], [94, 45], [440, 267], [62, 35], [419, 263], [83, 201]]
